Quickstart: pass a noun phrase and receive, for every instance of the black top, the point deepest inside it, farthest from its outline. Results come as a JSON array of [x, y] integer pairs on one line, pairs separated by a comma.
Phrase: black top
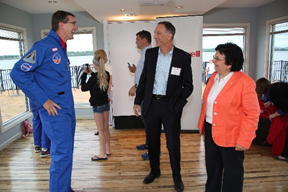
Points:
[[279, 96], [98, 97]]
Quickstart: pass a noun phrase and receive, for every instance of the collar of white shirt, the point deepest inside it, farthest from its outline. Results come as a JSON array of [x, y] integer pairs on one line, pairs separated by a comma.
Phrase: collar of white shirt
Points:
[[170, 53], [226, 78]]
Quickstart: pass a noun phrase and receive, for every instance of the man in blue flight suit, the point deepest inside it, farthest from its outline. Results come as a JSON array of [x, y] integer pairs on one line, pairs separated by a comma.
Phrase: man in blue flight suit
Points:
[[43, 74]]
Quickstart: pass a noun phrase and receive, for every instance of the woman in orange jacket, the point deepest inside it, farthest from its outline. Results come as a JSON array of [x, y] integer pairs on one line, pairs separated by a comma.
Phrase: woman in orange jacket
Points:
[[229, 119]]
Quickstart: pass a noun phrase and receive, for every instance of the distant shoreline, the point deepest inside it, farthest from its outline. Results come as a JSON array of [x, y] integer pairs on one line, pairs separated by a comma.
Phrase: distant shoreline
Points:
[[80, 60]]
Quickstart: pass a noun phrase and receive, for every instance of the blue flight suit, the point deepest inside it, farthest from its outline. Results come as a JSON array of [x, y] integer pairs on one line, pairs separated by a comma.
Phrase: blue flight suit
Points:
[[40, 137], [44, 73]]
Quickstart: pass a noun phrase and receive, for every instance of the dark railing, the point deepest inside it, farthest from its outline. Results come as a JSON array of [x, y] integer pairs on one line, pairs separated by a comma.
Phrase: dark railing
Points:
[[279, 71], [76, 72], [7, 84], [204, 64]]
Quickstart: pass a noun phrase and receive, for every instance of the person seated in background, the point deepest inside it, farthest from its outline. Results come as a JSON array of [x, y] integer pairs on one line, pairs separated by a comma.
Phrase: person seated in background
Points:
[[273, 99]]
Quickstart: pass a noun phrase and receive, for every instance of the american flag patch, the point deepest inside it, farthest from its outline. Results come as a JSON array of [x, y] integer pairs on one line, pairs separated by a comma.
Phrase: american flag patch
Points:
[[54, 49]]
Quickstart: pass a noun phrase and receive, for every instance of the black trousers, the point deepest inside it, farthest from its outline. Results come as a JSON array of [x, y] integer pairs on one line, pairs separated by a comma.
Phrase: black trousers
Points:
[[157, 115], [223, 164]]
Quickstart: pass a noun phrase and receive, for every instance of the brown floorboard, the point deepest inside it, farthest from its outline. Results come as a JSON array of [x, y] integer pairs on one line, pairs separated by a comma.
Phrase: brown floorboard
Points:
[[21, 169]]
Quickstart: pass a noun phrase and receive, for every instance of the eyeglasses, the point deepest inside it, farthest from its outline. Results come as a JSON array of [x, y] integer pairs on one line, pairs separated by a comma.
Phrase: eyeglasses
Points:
[[216, 58], [73, 22]]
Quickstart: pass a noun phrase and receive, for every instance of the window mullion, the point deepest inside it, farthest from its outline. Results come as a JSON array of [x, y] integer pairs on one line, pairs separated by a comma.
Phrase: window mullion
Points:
[[234, 34], [11, 39], [278, 32]]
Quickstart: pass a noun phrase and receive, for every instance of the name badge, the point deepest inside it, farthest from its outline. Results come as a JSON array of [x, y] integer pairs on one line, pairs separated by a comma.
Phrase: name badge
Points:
[[175, 71]]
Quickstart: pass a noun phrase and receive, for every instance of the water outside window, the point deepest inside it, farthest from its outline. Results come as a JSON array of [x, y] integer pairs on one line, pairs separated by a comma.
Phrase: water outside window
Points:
[[80, 51], [219, 35]]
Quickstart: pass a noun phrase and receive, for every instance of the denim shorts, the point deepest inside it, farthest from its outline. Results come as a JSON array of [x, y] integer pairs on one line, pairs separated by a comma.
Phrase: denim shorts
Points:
[[101, 108]]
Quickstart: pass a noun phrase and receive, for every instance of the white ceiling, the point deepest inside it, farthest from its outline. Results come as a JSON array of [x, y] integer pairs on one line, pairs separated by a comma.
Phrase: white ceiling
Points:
[[110, 9]]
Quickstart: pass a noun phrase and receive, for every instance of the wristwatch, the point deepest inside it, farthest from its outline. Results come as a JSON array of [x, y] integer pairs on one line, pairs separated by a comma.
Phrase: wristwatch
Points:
[[136, 85]]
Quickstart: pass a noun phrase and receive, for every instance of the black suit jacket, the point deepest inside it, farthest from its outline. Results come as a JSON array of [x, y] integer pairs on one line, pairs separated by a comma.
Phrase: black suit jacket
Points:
[[179, 88]]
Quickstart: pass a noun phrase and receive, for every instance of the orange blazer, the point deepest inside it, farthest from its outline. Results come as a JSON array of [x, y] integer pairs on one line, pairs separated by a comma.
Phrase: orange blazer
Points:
[[235, 111]]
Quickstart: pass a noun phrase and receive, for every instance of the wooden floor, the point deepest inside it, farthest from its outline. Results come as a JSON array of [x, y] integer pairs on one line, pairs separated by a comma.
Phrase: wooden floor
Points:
[[23, 170]]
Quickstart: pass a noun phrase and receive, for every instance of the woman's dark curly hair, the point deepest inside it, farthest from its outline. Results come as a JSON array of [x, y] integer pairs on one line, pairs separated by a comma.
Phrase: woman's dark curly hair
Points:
[[233, 55]]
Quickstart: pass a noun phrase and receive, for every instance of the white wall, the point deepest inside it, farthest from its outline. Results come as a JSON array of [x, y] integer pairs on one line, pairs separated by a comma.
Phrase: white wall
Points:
[[122, 49]]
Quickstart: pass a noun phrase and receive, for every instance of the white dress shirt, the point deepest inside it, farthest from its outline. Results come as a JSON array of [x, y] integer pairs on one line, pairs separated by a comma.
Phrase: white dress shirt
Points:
[[162, 72], [215, 90]]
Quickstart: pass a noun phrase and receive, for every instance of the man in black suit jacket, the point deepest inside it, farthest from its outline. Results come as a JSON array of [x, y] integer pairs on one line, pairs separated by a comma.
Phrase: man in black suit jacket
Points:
[[164, 86]]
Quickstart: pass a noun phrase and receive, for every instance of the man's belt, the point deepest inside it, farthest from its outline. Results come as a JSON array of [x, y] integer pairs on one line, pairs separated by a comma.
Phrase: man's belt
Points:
[[159, 96]]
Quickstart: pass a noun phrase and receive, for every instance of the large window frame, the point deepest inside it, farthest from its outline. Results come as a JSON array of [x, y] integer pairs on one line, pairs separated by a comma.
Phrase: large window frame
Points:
[[81, 30], [5, 126], [268, 44], [246, 42]]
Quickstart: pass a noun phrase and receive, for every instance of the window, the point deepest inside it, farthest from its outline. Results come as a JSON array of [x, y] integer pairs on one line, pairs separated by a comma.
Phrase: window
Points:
[[80, 51], [278, 51], [214, 35], [12, 101]]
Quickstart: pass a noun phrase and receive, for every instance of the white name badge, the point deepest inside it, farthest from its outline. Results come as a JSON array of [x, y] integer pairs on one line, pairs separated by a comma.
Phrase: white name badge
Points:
[[175, 71]]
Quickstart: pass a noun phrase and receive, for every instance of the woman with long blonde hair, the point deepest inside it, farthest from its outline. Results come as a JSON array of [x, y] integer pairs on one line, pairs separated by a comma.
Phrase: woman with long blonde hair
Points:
[[98, 85]]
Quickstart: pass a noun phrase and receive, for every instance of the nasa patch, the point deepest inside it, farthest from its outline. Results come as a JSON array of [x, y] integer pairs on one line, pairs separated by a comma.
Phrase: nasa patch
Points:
[[56, 58], [31, 58], [25, 67]]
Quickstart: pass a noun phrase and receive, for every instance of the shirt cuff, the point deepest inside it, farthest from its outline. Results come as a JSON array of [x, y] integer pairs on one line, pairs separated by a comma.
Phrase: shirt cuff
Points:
[[281, 112]]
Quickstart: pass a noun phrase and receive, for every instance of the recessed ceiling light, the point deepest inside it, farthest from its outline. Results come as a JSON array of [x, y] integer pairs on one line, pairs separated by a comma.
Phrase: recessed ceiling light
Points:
[[178, 7], [122, 10], [52, 1]]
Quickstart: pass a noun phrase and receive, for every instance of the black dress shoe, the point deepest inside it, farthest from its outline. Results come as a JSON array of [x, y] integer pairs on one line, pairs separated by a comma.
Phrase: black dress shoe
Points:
[[150, 178], [179, 186]]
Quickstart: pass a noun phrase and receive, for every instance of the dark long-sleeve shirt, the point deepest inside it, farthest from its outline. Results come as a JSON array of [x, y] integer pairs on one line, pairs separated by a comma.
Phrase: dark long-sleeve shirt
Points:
[[279, 96], [98, 96]]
